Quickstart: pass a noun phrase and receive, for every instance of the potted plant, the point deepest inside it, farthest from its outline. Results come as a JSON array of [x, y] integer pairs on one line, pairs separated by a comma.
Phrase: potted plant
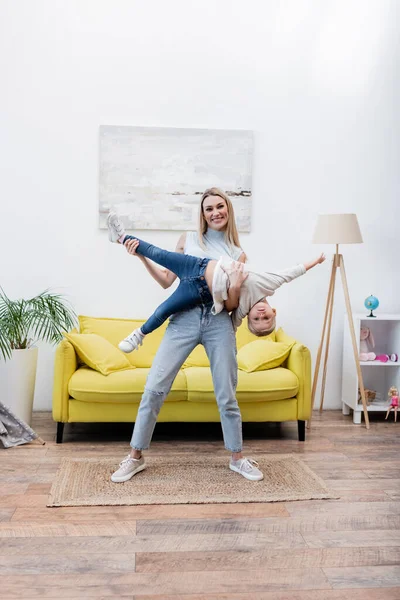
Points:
[[22, 324]]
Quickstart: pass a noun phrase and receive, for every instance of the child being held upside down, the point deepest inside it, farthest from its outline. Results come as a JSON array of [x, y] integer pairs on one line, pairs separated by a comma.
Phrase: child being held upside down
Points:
[[203, 281]]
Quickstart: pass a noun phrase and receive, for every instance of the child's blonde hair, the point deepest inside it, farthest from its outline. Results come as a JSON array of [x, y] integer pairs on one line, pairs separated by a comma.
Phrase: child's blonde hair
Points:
[[231, 232], [261, 333]]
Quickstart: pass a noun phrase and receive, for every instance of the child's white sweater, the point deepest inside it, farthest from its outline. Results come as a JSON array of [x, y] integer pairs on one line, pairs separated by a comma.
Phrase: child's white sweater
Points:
[[257, 286]]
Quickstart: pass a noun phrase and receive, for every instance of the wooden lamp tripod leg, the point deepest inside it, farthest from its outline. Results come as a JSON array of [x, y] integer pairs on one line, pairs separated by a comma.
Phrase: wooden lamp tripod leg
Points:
[[353, 339], [329, 302], [328, 336]]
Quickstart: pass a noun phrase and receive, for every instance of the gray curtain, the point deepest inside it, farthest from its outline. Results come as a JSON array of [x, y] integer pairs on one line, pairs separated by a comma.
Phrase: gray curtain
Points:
[[14, 431]]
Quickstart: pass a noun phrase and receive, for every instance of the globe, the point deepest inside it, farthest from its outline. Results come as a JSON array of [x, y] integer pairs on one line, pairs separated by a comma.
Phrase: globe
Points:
[[371, 303]]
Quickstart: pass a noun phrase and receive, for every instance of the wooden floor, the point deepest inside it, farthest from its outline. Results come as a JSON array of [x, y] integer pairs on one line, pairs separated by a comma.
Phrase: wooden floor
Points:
[[311, 550]]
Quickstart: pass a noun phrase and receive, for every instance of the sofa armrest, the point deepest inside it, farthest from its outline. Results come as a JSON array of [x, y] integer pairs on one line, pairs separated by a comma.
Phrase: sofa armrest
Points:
[[299, 362], [64, 367]]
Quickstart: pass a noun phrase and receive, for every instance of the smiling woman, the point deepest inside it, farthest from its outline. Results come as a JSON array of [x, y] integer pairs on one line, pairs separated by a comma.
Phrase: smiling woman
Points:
[[217, 236]]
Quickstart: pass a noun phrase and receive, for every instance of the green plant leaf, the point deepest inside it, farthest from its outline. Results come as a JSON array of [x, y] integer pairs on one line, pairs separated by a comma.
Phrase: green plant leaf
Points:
[[44, 317], [5, 348]]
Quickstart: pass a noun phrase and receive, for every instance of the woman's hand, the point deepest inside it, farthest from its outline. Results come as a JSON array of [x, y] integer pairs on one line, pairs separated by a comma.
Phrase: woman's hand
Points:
[[131, 247], [321, 259], [237, 275]]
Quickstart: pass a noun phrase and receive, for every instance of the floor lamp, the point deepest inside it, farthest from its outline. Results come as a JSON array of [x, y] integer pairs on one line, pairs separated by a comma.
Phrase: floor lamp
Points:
[[337, 229]]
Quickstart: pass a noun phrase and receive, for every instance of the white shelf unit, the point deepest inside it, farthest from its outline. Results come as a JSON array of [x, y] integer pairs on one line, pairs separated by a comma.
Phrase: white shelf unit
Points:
[[377, 376]]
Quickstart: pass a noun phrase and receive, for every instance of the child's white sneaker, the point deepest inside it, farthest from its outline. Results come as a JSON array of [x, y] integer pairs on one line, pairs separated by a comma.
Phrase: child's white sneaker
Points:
[[132, 342], [115, 228], [247, 467]]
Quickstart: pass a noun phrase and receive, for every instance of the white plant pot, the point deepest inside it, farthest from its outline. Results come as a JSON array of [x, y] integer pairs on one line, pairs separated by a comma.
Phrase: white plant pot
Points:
[[17, 382]]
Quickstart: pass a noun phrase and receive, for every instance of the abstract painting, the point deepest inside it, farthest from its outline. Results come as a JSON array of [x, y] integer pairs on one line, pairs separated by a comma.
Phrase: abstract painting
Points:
[[154, 177]]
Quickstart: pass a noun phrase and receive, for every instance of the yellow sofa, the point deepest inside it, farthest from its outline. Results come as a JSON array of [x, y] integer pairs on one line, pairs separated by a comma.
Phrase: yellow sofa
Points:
[[81, 394]]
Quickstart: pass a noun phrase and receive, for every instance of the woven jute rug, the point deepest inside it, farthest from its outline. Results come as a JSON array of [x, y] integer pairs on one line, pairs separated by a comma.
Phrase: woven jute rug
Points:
[[184, 479]]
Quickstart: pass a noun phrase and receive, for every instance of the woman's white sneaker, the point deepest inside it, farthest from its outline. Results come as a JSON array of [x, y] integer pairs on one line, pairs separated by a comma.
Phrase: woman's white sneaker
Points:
[[128, 468], [247, 467]]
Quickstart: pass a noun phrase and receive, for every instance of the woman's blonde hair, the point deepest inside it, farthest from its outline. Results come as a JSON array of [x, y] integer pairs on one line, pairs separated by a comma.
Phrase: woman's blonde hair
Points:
[[231, 232]]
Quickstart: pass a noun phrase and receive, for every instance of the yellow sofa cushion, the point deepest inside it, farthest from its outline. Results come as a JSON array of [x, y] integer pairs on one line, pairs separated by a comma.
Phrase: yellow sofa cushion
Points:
[[281, 336], [261, 355], [244, 336], [260, 386], [98, 353], [115, 330], [120, 387]]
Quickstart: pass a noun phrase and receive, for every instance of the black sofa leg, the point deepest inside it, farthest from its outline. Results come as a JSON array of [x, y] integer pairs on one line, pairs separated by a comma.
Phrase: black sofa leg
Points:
[[60, 431], [301, 426]]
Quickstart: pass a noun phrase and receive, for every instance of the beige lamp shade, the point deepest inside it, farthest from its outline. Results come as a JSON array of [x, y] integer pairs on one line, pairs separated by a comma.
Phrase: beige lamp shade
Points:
[[337, 229]]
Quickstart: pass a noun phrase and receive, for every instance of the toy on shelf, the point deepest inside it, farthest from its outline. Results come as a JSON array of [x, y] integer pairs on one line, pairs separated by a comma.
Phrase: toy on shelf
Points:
[[394, 404], [366, 342], [371, 303], [370, 395], [386, 357]]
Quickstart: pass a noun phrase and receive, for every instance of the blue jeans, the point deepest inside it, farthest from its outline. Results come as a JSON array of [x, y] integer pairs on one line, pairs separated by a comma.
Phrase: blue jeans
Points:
[[185, 331], [192, 290]]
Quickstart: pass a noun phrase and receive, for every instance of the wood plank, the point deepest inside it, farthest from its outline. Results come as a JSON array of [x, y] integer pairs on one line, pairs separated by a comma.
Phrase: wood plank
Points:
[[297, 558], [361, 577], [272, 525], [75, 515], [25, 477], [165, 583], [393, 494], [354, 538], [363, 496], [367, 594], [60, 563], [13, 488], [338, 460], [65, 530], [6, 514], [342, 508], [331, 474], [154, 543], [98, 513], [28, 450], [83, 594], [386, 473], [364, 484], [38, 488], [14, 462], [23, 500], [71, 592]]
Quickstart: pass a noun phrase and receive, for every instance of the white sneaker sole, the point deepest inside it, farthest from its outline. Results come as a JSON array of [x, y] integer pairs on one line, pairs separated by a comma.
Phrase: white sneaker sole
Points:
[[111, 237], [123, 478], [126, 347], [248, 476]]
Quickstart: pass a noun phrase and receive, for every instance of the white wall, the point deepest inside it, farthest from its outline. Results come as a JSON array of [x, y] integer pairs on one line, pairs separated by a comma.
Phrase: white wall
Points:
[[314, 80]]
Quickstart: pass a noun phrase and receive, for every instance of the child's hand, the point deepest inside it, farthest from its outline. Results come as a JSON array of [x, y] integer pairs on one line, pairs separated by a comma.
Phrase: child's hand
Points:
[[316, 261], [237, 276], [131, 246]]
